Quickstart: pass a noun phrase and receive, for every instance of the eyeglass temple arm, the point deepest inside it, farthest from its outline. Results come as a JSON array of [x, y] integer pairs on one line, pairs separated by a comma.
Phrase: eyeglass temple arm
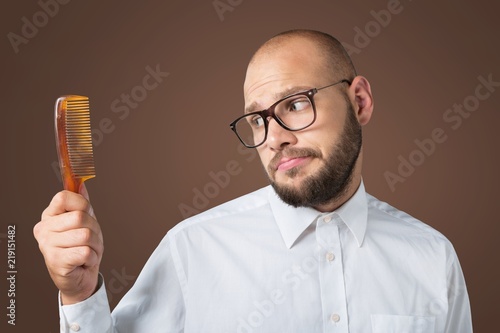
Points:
[[341, 81]]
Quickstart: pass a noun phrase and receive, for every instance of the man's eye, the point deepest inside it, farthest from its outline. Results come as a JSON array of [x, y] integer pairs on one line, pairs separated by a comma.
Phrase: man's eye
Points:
[[257, 121], [299, 105]]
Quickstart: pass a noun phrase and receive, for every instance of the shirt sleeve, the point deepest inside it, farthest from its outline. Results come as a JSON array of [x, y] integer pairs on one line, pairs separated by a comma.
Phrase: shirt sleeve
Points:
[[459, 313], [91, 315], [155, 303]]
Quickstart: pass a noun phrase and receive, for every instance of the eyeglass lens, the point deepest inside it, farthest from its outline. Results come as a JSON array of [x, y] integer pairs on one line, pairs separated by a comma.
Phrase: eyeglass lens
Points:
[[294, 113]]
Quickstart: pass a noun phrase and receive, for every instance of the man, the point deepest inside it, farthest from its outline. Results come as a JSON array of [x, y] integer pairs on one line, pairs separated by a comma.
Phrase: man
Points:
[[313, 252]]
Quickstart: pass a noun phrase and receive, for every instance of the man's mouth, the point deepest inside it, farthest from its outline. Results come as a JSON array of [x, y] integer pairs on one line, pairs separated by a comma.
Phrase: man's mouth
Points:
[[291, 158], [287, 163]]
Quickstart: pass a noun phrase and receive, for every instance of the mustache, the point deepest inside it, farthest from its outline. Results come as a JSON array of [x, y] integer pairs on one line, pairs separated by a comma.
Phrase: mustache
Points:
[[292, 153]]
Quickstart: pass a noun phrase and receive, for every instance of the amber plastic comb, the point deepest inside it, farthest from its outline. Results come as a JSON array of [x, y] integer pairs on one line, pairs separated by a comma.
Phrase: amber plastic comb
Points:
[[74, 141]]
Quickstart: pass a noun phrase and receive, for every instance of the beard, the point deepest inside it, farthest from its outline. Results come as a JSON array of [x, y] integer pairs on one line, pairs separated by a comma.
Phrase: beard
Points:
[[331, 181]]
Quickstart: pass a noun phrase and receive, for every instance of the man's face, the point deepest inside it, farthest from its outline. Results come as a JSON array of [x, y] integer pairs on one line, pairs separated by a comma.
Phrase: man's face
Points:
[[313, 166]]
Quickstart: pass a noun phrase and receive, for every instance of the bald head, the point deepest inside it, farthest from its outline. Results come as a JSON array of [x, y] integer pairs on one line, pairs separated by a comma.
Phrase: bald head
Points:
[[337, 62]]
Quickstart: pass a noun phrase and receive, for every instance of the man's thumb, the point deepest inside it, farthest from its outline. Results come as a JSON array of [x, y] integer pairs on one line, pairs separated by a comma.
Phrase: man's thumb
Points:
[[83, 191]]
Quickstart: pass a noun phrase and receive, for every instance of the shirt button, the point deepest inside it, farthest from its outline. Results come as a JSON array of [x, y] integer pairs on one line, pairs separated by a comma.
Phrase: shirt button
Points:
[[330, 256], [327, 219], [74, 327], [335, 318]]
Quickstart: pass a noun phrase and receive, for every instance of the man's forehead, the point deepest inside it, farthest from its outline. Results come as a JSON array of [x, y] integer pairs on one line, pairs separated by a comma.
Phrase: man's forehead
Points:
[[270, 83], [263, 88]]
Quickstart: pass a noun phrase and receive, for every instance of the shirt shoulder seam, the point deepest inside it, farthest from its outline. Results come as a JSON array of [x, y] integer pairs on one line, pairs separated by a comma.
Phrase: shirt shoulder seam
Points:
[[407, 218]]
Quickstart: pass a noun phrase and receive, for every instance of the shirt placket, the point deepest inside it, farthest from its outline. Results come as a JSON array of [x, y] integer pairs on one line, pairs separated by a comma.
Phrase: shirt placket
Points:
[[331, 274]]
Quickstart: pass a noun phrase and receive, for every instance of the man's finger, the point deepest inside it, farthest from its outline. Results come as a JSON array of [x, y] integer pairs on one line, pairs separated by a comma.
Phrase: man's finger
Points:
[[66, 201]]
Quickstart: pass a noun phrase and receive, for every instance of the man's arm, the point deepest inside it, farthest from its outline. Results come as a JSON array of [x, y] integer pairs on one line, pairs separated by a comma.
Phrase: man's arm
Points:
[[71, 242]]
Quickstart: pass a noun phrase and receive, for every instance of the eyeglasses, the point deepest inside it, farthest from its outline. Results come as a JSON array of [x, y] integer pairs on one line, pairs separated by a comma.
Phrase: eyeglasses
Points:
[[294, 113]]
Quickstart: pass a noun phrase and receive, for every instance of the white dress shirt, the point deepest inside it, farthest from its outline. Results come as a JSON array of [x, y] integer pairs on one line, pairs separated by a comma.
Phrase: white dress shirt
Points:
[[256, 264]]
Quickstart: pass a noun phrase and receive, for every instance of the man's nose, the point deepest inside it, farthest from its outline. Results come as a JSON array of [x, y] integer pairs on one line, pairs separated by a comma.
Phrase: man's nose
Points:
[[279, 137]]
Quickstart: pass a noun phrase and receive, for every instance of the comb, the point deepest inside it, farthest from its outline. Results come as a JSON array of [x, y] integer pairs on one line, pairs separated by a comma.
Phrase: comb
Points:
[[74, 141]]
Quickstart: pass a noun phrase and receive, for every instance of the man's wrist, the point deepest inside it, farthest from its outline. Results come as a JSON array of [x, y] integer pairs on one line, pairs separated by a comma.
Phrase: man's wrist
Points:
[[80, 297]]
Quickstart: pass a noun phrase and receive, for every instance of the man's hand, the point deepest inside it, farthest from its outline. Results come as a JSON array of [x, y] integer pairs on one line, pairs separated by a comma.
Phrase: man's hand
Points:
[[71, 242]]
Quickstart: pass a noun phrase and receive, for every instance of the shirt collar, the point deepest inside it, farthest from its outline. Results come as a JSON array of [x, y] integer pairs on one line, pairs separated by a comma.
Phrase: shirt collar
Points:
[[293, 221], [354, 213]]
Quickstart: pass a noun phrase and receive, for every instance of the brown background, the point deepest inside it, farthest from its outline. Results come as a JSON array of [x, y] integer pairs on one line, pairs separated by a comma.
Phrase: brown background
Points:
[[425, 60]]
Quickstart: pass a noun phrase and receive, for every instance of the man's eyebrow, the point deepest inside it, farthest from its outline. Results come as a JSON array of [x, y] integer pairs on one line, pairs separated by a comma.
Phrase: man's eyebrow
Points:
[[277, 96]]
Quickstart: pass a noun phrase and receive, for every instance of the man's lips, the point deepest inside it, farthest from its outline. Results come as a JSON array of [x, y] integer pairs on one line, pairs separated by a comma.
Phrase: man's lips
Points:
[[287, 163], [290, 158]]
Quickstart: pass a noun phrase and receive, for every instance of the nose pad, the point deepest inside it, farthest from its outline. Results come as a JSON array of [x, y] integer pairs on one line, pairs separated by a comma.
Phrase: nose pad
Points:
[[277, 136]]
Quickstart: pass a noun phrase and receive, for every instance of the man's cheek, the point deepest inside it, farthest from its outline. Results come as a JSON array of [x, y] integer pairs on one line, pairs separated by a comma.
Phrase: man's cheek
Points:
[[264, 158]]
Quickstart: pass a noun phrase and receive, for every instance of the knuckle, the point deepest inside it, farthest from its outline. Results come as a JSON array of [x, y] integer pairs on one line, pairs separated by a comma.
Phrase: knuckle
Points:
[[41, 244], [84, 235], [86, 251], [36, 230], [40, 237], [60, 198], [76, 218], [44, 213], [82, 254], [79, 215]]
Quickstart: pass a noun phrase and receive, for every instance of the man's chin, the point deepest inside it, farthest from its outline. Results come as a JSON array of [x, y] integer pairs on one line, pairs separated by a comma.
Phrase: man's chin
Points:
[[292, 178], [290, 194]]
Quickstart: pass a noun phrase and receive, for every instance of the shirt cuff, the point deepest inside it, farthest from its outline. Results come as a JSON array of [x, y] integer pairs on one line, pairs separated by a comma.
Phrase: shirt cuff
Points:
[[91, 315]]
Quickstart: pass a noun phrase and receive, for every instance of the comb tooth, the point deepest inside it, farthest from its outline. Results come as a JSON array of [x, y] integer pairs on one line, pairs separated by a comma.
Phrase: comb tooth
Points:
[[79, 137], [77, 132], [73, 111], [77, 108], [77, 120], [83, 168]]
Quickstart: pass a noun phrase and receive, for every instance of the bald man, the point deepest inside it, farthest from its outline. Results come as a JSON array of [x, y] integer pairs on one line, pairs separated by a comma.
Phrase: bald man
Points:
[[312, 252]]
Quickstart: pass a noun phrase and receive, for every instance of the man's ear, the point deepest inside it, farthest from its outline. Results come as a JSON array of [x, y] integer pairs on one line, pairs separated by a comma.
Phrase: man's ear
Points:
[[360, 91]]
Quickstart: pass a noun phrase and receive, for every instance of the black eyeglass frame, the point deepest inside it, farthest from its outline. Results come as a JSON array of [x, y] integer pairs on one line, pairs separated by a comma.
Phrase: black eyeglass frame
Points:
[[269, 112]]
